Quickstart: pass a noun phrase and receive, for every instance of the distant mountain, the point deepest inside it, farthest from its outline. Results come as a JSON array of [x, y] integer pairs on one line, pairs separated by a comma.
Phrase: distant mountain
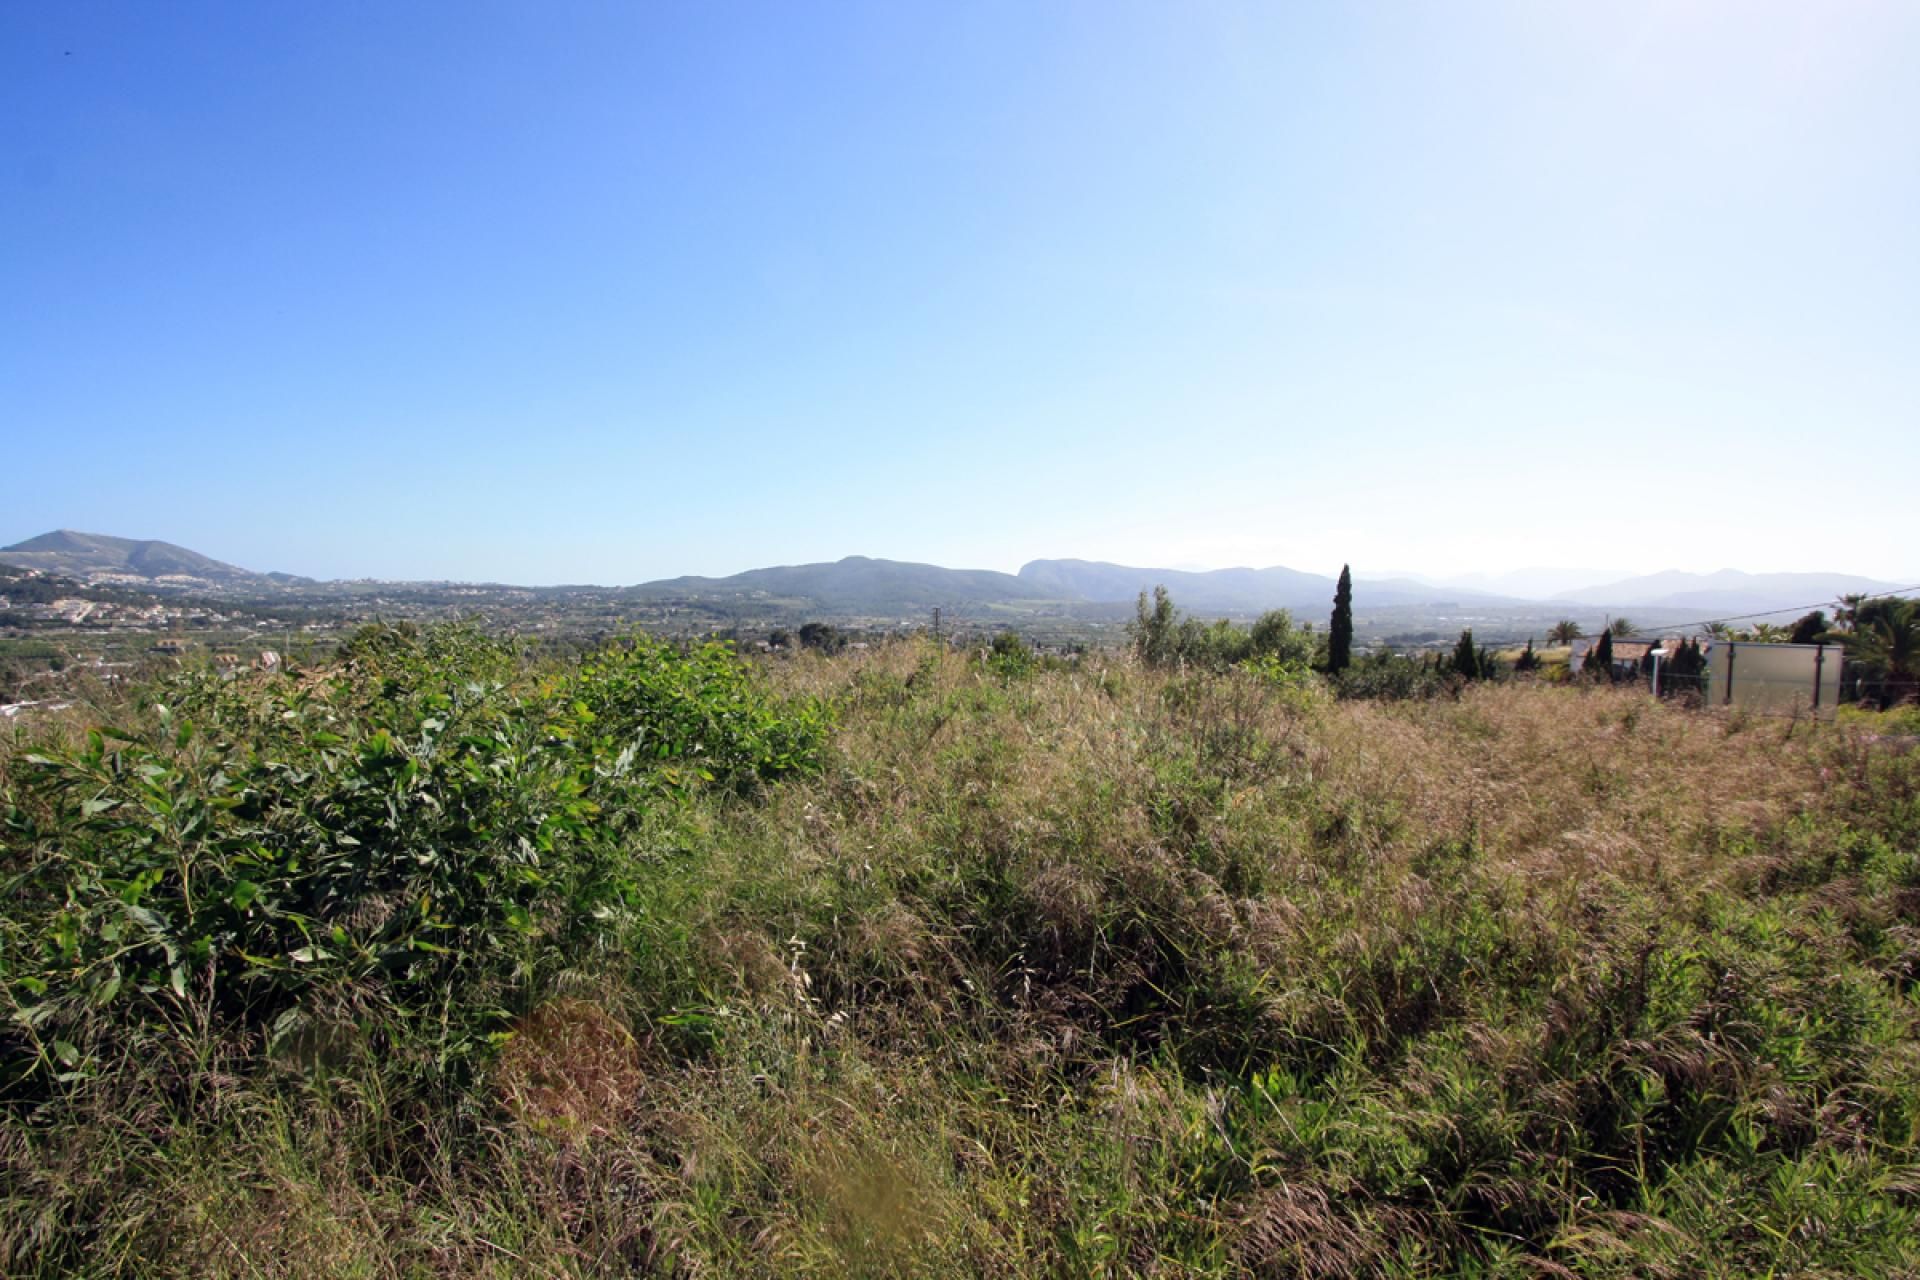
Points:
[[1726, 591], [1400, 591], [860, 586], [855, 585], [1243, 590], [1228, 590], [89, 556], [1533, 583]]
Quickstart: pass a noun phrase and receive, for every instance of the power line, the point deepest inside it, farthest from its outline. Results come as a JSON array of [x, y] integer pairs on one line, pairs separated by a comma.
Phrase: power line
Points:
[[1768, 613]]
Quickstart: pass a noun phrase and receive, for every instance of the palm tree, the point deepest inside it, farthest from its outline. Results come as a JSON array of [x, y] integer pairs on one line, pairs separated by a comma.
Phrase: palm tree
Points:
[[1811, 629], [1621, 628], [1891, 642], [1846, 610], [1565, 631]]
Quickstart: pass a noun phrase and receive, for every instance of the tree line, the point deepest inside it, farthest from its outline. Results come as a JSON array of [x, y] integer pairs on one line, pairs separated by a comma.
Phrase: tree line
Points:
[[1880, 636]]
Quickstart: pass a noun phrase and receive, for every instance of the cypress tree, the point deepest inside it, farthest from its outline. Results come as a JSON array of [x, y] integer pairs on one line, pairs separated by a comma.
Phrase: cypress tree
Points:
[[1466, 659], [1340, 628], [1693, 664], [1600, 657]]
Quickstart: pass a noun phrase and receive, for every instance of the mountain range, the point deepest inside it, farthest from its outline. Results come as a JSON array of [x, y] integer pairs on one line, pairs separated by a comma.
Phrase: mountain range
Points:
[[96, 556], [1728, 590], [1234, 590], [861, 585], [855, 585]]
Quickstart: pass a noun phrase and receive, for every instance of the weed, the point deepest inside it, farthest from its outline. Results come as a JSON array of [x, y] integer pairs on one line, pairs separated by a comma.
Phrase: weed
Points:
[[443, 961]]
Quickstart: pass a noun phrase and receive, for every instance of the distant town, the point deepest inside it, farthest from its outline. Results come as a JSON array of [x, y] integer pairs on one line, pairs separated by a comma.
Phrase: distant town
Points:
[[74, 605]]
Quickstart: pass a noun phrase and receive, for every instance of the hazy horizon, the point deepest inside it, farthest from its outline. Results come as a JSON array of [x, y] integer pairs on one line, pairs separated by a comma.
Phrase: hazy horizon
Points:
[[610, 294], [1532, 583]]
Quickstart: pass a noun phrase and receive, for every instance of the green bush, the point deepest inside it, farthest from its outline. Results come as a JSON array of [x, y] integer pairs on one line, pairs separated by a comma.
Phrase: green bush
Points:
[[1011, 656], [410, 834], [700, 715], [1897, 721], [1161, 637], [1389, 677]]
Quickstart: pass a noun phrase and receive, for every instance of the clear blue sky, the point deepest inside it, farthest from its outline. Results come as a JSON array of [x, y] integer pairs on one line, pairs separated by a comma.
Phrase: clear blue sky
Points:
[[606, 292]]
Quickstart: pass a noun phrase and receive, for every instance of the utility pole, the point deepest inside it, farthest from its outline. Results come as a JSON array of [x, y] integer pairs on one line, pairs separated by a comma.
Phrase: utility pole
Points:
[[936, 624]]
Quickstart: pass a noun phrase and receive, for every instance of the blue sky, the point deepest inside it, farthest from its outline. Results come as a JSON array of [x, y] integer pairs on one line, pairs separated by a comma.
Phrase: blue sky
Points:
[[575, 292]]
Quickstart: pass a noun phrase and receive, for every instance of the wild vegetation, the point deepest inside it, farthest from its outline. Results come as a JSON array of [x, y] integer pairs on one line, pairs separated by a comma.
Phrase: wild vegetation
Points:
[[1162, 637], [441, 960]]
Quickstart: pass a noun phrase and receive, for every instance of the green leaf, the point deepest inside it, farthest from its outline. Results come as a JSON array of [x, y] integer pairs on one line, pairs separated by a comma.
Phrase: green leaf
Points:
[[244, 892], [150, 921]]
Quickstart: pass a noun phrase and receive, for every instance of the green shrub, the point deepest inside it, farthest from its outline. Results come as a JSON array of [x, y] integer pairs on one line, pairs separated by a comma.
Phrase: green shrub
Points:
[[411, 834], [1011, 656], [1389, 677], [1898, 721], [1161, 637], [701, 714]]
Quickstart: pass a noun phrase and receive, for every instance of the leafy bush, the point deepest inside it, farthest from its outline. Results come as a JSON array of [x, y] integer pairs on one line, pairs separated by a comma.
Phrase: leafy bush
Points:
[[402, 835], [822, 636], [1011, 656], [1389, 677], [1161, 637], [1277, 637], [1898, 721], [700, 714]]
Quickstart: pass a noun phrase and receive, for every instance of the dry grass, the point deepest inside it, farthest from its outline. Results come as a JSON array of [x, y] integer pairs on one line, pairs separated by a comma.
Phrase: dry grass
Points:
[[1102, 971]]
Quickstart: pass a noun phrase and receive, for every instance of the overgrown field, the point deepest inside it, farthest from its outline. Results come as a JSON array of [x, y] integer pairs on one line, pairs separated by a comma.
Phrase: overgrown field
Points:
[[444, 962]]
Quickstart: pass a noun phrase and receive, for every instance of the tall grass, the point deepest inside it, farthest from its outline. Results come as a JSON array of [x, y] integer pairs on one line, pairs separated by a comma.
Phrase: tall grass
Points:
[[972, 968]]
